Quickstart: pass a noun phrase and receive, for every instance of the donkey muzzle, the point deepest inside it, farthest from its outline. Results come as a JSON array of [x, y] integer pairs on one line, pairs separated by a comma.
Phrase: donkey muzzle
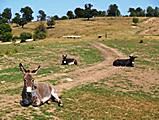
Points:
[[29, 89]]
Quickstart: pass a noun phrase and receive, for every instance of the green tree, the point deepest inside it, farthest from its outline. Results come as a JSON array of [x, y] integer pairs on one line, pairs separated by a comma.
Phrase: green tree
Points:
[[150, 11], [16, 19], [41, 16], [56, 17], [88, 11], [102, 13], [2, 19], [5, 32], [132, 12], [113, 10], [27, 14], [140, 12], [156, 14], [70, 15], [79, 12], [22, 22], [64, 18], [7, 14], [50, 21]]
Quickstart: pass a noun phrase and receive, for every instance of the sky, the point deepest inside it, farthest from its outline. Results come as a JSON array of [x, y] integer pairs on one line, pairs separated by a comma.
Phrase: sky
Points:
[[60, 7]]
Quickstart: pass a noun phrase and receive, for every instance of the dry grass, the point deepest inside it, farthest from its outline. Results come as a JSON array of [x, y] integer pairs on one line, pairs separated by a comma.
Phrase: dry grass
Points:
[[131, 94]]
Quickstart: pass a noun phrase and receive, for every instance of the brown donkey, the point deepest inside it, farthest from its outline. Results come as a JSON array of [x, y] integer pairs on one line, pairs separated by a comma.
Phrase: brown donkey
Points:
[[36, 94]]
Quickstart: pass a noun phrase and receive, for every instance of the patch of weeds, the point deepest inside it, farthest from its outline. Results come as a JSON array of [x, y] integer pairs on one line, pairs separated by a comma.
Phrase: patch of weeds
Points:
[[147, 52], [12, 91], [99, 102], [45, 71], [53, 82], [10, 70], [20, 117], [40, 117], [13, 78], [88, 55]]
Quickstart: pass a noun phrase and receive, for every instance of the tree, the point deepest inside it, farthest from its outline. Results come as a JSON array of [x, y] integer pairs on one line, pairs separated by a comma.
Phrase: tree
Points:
[[132, 12], [41, 16], [2, 19], [70, 15], [88, 11], [79, 12], [50, 21], [113, 10], [56, 17], [140, 12], [150, 12], [22, 22], [64, 18], [101, 13], [156, 14], [16, 19], [7, 14], [27, 14], [5, 32]]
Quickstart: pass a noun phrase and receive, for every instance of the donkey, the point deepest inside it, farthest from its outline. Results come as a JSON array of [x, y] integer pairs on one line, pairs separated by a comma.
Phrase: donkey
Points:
[[36, 94], [125, 62], [68, 61]]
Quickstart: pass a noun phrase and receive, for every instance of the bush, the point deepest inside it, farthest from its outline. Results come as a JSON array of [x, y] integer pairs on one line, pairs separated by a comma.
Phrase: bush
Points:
[[135, 20], [5, 32], [6, 37], [39, 35], [15, 38], [5, 28], [40, 32], [24, 36]]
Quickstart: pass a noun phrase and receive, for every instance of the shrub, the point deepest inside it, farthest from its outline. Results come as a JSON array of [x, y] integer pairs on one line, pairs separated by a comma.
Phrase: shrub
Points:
[[39, 35], [15, 38], [5, 32], [6, 37], [24, 36], [40, 32], [135, 20]]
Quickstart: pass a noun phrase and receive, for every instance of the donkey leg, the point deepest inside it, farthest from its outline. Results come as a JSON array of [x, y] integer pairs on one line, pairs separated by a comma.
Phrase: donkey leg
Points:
[[57, 98]]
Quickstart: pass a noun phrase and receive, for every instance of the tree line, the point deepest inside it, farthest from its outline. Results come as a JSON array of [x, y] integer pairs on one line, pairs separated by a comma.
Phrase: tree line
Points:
[[25, 16]]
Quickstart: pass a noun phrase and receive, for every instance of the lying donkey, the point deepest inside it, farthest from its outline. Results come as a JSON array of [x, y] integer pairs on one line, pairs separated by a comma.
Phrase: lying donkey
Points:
[[125, 62], [68, 61], [36, 94]]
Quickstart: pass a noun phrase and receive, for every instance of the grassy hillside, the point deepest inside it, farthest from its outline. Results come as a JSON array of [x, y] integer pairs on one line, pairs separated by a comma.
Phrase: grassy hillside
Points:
[[131, 93]]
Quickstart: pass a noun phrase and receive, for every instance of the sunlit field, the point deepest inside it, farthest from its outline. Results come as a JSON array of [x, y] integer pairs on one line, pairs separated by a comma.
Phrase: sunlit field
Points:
[[125, 93]]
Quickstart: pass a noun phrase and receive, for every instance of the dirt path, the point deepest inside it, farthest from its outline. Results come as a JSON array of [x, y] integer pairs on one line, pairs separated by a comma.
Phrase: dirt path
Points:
[[81, 76], [93, 73]]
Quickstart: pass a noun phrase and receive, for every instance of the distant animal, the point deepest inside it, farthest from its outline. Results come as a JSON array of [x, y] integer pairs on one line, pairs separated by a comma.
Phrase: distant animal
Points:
[[141, 41], [36, 93], [68, 61], [125, 62]]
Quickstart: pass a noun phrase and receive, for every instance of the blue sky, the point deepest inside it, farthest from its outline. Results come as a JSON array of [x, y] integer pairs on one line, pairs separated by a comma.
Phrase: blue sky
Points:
[[60, 7]]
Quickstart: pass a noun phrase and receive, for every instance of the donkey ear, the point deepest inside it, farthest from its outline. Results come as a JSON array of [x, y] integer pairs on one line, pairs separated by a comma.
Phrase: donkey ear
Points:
[[22, 68], [35, 71]]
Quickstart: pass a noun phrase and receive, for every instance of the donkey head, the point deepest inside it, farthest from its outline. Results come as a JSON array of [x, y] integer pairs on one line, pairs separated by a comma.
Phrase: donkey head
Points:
[[64, 56], [132, 58], [27, 77]]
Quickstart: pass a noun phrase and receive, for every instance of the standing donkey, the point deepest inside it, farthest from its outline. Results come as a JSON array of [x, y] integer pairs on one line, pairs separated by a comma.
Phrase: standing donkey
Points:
[[36, 94]]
